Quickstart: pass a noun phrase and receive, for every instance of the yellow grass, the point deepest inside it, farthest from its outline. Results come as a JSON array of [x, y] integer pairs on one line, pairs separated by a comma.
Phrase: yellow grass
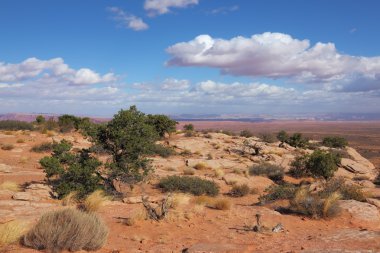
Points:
[[20, 141], [201, 166], [330, 201], [95, 201], [218, 173], [10, 186], [69, 199], [215, 203], [50, 133], [179, 199], [11, 232]]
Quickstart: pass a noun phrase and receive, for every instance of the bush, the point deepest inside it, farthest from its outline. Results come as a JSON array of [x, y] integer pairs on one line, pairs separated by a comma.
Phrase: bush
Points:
[[322, 164], [240, 190], [67, 229], [188, 127], [186, 184], [40, 119], [273, 172], [297, 141], [334, 142], [282, 136], [267, 137], [246, 133], [162, 124], [68, 123], [345, 189], [312, 205], [11, 232], [7, 147], [15, 125], [43, 147], [276, 192], [68, 172], [318, 164], [162, 151]]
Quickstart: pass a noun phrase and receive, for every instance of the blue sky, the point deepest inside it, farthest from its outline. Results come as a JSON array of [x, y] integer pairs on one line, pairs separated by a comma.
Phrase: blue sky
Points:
[[190, 56]]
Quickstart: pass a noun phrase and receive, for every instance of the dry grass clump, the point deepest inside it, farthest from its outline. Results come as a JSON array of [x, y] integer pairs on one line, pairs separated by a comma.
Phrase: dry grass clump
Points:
[[10, 186], [201, 166], [240, 190], [67, 229], [7, 147], [179, 199], [50, 133], [11, 232], [137, 215], [345, 189], [313, 205], [70, 199], [214, 203], [218, 172], [188, 171], [20, 141], [94, 201]]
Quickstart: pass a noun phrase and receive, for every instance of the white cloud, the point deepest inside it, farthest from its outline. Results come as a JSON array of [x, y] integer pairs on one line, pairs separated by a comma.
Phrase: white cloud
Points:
[[175, 84], [224, 9], [128, 20], [273, 55], [159, 7]]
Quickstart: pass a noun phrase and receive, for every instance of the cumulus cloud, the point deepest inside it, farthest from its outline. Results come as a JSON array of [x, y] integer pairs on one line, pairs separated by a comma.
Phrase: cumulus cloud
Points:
[[273, 55], [128, 20], [159, 7], [175, 84], [224, 9]]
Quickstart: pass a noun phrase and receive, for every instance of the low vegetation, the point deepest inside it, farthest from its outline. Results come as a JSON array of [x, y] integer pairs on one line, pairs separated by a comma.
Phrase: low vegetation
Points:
[[10, 186], [187, 184], [306, 203], [335, 142], [94, 201], [246, 133], [42, 148], [346, 189], [67, 229], [15, 125], [273, 172], [296, 140], [11, 232], [318, 164], [240, 190], [276, 192], [214, 203], [68, 171], [162, 151]]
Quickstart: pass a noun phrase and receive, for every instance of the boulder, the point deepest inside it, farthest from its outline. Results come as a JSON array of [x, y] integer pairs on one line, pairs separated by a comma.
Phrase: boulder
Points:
[[360, 211], [5, 168], [359, 167], [375, 202], [217, 248]]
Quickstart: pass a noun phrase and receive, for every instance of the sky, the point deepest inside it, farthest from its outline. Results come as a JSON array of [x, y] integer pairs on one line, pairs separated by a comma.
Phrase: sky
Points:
[[95, 57]]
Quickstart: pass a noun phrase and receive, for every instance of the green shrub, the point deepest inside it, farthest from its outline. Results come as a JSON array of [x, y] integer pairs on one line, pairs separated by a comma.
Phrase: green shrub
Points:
[[267, 137], [334, 142], [188, 127], [282, 136], [128, 138], [40, 119], [186, 184], [68, 123], [246, 133], [318, 164], [276, 192], [67, 171], [322, 164], [345, 189], [43, 147], [15, 125], [162, 151], [67, 229], [240, 190], [273, 172], [297, 141], [162, 124]]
